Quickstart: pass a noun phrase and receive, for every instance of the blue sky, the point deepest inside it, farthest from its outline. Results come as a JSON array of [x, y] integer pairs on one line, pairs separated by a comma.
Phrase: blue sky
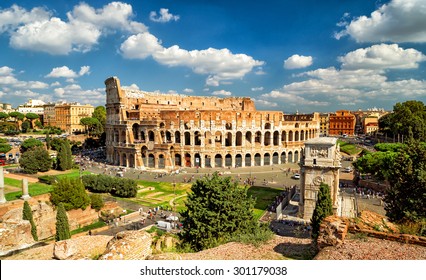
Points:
[[305, 56]]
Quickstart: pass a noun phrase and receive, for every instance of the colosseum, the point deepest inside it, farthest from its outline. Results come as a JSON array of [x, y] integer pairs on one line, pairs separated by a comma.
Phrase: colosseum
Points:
[[169, 131]]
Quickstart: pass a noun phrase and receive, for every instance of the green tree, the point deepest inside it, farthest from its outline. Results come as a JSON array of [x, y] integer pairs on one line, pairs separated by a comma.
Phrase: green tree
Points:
[[32, 117], [100, 114], [4, 146], [35, 160], [27, 214], [90, 124], [70, 192], [323, 209], [62, 224], [18, 117], [405, 199], [25, 126], [30, 143], [96, 201], [4, 116], [64, 157], [217, 210]]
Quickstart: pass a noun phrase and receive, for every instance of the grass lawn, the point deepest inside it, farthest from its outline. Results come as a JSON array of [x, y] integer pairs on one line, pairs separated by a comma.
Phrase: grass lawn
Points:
[[264, 197], [348, 148], [33, 189]]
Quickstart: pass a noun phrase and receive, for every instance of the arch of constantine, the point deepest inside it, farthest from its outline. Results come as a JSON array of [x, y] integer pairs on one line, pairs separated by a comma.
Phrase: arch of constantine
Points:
[[167, 131]]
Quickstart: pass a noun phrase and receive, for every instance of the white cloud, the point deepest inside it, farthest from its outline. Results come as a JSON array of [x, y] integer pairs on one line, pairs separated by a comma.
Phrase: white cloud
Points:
[[257, 89], [74, 93], [220, 65], [164, 16], [260, 71], [297, 61], [7, 78], [65, 72], [382, 57], [131, 87], [37, 30], [222, 92], [397, 21], [188, 90], [265, 103]]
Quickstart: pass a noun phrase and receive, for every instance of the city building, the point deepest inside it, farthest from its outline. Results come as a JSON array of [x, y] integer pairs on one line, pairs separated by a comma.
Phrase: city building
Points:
[[324, 124], [32, 106], [341, 123], [6, 107], [167, 131], [68, 116], [49, 116]]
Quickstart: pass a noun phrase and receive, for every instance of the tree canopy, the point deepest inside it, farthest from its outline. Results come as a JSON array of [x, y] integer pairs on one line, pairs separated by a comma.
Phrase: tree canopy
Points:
[[70, 192], [323, 209], [30, 143], [217, 210], [35, 160], [62, 224]]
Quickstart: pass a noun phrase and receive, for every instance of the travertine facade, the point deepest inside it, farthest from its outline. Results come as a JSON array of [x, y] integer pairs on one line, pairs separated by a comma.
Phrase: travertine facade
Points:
[[167, 131], [321, 162]]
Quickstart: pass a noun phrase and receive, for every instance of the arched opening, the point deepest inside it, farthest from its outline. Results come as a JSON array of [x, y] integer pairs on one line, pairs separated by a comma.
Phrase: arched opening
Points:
[[248, 137], [276, 138], [161, 161], [267, 140], [218, 137], [290, 136], [228, 140], [151, 161], [116, 136], [162, 125], [151, 135], [178, 160], [228, 160], [123, 137], [135, 131], [296, 156], [257, 159], [197, 138], [275, 158], [267, 159], [283, 157], [131, 161], [177, 137], [238, 160], [239, 139], [144, 152], [228, 126], [168, 137], [302, 135], [207, 161], [142, 136], [247, 160], [257, 137], [283, 136], [290, 157], [267, 126], [218, 160], [197, 160], [207, 138], [296, 136], [124, 159], [187, 160], [187, 138]]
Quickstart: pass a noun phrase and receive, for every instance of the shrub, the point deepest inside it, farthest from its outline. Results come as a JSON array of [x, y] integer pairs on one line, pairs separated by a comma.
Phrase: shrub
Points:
[[62, 225], [71, 193], [96, 201], [27, 214]]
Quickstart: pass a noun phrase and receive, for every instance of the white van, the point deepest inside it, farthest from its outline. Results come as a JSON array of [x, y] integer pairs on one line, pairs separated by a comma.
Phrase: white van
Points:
[[164, 225]]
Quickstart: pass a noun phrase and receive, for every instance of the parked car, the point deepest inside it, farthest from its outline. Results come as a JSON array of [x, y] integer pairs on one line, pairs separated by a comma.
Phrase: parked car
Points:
[[296, 176], [348, 169]]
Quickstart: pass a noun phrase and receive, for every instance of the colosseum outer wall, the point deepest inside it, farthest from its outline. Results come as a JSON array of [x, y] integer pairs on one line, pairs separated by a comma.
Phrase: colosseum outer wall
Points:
[[168, 131]]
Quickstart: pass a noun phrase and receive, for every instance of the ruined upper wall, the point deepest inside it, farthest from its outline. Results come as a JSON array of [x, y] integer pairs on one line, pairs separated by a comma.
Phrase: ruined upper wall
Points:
[[137, 99]]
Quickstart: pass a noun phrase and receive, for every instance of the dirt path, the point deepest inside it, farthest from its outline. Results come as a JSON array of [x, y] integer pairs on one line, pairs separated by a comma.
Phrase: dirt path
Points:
[[20, 177]]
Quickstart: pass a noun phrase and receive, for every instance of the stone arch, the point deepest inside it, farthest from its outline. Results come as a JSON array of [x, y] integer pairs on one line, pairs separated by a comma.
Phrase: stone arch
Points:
[[276, 138], [187, 137], [302, 135], [177, 137], [151, 160], [228, 139], [218, 160], [267, 138], [207, 161], [132, 161], [290, 136], [197, 138], [197, 160], [228, 126], [290, 157], [239, 139], [218, 137], [161, 161], [143, 138], [238, 160], [188, 160], [283, 157], [168, 137], [151, 136], [178, 160], [267, 125], [248, 137], [275, 158], [296, 156], [257, 137], [296, 136], [266, 159], [116, 136], [135, 131], [123, 137], [124, 159], [247, 160], [228, 160], [257, 159], [162, 125], [144, 153], [283, 136]]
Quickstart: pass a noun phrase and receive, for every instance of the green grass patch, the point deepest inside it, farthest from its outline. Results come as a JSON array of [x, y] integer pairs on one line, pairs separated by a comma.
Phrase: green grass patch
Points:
[[264, 197], [12, 182], [348, 148], [93, 226], [34, 189]]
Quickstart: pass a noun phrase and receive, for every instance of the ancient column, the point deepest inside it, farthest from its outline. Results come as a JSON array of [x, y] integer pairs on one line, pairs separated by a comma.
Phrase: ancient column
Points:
[[2, 198], [25, 194]]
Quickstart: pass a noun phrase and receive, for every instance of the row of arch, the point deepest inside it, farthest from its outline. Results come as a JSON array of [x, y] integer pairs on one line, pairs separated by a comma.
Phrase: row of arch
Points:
[[163, 160], [197, 138]]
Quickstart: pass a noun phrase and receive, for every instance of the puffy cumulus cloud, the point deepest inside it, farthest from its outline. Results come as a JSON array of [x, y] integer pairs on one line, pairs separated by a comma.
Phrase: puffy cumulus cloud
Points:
[[222, 92], [65, 72], [257, 89], [131, 87], [382, 57], [188, 90], [297, 61], [220, 65], [265, 103], [74, 93], [397, 21], [8, 79], [164, 16], [37, 30]]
